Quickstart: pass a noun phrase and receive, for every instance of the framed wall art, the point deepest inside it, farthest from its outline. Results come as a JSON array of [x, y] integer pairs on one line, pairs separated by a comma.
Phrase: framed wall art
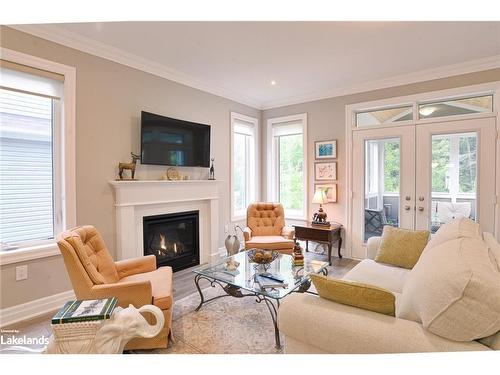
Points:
[[325, 149], [325, 171], [330, 190]]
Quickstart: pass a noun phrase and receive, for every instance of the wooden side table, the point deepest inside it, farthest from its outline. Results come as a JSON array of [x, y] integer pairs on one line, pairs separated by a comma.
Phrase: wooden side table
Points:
[[321, 234]]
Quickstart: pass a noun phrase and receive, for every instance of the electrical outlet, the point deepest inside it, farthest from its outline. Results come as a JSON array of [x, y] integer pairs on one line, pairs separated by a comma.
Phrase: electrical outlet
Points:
[[226, 228], [22, 272]]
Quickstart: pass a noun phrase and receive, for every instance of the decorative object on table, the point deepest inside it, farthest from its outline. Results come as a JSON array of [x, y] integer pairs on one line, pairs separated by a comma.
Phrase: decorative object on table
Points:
[[231, 265], [232, 242], [105, 336], [298, 257], [173, 174], [128, 166], [85, 310], [319, 217], [211, 175], [324, 171], [330, 190], [325, 149], [262, 257]]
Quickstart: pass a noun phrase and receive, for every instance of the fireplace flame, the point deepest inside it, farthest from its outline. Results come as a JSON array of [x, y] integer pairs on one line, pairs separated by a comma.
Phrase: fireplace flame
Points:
[[162, 242]]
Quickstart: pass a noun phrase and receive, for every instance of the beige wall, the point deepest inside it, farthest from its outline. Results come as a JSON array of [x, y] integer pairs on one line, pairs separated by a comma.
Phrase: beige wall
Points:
[[109, 99], [326, 120]]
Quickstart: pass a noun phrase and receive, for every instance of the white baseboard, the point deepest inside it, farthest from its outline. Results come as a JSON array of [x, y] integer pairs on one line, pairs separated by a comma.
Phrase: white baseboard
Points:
[[28, 310]]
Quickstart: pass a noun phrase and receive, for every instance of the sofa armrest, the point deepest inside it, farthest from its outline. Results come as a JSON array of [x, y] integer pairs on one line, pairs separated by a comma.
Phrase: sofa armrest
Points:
[[247, 233], [137, 293], [288, 232], [372, 246], [334, 328], [134, 266]]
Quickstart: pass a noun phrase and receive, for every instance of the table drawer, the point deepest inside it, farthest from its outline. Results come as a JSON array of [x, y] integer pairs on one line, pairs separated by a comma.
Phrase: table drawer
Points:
[[312, 235]]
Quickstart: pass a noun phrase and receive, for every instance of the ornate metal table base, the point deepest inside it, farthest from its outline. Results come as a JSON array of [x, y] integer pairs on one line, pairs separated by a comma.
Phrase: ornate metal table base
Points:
[[236, 292]]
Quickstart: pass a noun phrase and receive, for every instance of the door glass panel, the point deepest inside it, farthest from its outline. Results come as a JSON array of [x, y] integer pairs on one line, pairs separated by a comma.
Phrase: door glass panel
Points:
[[382, 185], [454, 107], [384, 116], [454, 178]]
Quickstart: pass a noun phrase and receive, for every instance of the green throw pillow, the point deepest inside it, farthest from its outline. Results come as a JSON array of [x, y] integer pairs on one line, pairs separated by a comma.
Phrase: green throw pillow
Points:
[[352, 293], [401, 247]]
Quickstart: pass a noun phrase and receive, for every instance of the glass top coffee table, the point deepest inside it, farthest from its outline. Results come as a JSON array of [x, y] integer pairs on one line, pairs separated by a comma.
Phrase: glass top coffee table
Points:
[[242, 282]]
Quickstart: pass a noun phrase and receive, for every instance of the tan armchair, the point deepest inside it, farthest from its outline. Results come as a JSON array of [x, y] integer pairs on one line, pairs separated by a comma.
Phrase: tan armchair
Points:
[[135, 281], [266, 228]]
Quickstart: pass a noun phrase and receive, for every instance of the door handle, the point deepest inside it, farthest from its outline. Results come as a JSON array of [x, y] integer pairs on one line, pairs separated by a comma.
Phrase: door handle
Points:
[[420, 209], [421, 198], [407, 208]]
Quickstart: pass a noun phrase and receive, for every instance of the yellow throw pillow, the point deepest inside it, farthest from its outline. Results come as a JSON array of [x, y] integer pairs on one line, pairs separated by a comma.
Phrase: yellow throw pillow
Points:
[[352, 293], [401, 247]]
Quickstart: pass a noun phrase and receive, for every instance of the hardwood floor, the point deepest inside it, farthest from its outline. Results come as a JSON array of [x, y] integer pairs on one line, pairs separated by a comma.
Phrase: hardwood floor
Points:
[[183, 287]]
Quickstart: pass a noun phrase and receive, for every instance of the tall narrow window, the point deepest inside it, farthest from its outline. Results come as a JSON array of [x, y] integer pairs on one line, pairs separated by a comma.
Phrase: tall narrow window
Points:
[[29, 159], [244, 179], [288, 183]]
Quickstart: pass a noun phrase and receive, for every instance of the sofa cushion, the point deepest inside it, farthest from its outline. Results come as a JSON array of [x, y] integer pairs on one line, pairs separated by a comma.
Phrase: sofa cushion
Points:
[[454, 291], [382, 275], [93, 254], [494, 248], [269, 242], [458, 228], [161, 285], [352, 293], [401, 247]]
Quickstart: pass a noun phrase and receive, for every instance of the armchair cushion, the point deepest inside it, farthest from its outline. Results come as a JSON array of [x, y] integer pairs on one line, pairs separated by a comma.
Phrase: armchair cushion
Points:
[[133, 266], [288, 232], [265, 219], [269, 242], [93, 254], [161, 285]]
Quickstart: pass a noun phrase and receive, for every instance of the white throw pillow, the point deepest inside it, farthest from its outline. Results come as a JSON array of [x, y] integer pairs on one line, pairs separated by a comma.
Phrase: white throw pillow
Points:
[[458, 228], [454, 291]]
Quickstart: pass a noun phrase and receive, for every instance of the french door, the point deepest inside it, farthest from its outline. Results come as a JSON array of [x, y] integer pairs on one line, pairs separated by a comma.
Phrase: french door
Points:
[[422, 176]]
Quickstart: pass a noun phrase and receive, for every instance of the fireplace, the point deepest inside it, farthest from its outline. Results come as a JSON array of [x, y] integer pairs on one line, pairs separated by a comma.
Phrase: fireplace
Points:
[[173, 239]]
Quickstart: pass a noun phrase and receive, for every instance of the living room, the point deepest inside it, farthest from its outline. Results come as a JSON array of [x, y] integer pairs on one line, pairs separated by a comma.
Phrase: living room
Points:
[[165, 171]]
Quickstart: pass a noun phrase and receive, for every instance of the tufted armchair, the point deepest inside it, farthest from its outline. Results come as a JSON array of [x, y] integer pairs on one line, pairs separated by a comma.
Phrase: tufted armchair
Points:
[[134, 281], [266, 228]]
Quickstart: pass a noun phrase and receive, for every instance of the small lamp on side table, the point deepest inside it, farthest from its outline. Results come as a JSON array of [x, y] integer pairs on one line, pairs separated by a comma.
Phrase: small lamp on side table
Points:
[[319, 217]]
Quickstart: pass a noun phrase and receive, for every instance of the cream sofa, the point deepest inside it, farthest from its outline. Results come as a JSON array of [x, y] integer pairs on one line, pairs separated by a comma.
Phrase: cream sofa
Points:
[[315, 325]]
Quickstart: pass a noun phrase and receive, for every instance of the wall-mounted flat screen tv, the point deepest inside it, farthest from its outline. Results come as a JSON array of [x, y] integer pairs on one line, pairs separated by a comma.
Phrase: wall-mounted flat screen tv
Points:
[[169, 141]]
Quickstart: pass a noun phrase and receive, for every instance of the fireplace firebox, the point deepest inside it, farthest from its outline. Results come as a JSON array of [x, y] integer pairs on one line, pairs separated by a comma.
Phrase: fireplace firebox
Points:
[[173, 239]]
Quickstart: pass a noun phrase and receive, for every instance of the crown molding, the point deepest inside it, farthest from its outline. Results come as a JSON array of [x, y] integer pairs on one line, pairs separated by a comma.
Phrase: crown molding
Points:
[[445, 71], [73, 40]]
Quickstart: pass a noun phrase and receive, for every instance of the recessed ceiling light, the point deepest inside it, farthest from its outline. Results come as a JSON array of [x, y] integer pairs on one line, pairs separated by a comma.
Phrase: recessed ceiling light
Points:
[[273, 82]]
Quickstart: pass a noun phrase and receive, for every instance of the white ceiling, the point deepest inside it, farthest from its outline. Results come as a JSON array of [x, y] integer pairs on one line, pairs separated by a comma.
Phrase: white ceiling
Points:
[[306, 59]]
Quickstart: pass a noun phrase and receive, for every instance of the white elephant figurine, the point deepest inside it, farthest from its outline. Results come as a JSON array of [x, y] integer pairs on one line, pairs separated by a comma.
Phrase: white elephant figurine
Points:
[[113, 334]]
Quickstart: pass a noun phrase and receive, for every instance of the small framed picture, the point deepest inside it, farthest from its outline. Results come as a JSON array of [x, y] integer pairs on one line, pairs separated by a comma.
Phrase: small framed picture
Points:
[[330, 190], [325, 149], [325, 171]]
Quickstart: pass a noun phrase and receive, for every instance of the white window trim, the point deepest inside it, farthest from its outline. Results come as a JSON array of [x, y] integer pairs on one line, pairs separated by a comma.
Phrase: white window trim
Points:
[[256, 178], [272, 179], [66, 215], [431, 96]]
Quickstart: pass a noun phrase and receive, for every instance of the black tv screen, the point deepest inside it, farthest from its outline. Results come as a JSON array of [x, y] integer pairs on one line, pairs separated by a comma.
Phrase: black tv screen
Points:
[[168, 141]]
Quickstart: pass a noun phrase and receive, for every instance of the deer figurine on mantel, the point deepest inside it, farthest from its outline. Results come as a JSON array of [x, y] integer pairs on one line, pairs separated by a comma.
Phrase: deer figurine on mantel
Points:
[[130, 166]]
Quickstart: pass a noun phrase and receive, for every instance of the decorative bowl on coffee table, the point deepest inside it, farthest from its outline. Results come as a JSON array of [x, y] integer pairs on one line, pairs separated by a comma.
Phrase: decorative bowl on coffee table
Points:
[[261, 257]]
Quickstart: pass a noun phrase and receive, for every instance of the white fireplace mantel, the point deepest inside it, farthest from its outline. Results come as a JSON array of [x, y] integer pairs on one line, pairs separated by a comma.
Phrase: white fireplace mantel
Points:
[[135, 200]]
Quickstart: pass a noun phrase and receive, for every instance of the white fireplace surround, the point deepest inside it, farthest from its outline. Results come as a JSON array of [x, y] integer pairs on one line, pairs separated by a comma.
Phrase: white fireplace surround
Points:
[[135, 200]]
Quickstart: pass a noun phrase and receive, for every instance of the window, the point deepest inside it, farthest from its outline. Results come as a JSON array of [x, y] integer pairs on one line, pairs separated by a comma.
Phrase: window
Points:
[[384, 116], [37, 177], [244, 180], [288, 180], [453, 107]]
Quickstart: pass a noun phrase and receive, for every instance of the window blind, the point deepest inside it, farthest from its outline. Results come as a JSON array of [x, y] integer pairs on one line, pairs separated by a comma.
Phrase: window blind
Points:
[[26, 167]]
